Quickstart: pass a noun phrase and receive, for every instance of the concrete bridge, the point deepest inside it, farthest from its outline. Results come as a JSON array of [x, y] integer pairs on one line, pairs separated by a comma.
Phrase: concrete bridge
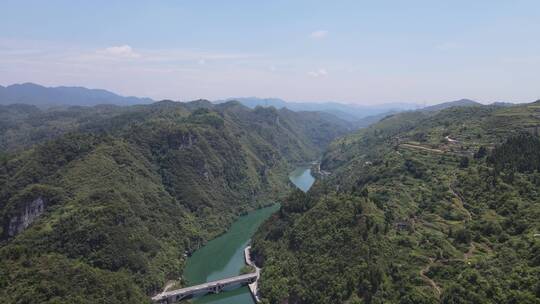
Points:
[[173, 296], [250, 279]]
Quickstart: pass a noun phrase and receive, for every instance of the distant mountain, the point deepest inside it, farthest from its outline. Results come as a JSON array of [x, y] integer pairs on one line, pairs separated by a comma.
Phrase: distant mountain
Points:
[[348, 112], [450, 104], [369, 120], [360, 115], [253, 102], [33, 94], [502, 104]]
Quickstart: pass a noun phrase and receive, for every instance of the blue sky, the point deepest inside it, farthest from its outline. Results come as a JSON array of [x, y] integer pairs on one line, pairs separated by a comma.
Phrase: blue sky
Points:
[[367, 52]]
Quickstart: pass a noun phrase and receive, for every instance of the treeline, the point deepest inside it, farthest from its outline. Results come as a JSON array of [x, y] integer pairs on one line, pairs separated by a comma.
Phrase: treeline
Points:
[[519, 153]]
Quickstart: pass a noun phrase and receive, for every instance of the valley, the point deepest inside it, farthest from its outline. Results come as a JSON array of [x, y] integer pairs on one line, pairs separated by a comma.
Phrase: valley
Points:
[[425, 199], [269, 152], [126, 194], [223, 257]]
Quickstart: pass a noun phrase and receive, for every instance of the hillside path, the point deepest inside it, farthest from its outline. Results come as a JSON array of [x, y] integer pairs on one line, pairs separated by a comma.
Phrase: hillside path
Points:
[[422, 148], [423, 271]]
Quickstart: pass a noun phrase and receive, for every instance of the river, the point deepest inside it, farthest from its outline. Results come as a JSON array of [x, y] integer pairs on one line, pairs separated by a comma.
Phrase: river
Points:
[[302, 178], [224, 256]]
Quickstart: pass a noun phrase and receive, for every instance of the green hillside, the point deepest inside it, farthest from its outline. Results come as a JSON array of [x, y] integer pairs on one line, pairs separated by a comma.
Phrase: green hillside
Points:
[[439, 207], [102, 204]]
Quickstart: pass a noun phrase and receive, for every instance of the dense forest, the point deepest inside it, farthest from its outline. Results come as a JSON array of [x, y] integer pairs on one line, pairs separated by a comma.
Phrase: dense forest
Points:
[[440, 207], [102, 204]]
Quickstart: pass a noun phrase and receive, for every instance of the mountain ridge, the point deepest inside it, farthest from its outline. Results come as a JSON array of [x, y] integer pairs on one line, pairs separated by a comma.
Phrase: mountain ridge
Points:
[[31, 93], [349, 112], [464, 102]]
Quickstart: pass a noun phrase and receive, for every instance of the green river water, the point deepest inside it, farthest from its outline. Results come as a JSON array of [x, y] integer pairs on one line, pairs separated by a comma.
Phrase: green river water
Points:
[[224, 256]]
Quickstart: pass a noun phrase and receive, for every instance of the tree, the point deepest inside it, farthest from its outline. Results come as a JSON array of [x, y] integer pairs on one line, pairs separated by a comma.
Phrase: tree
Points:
[[464, 162], [463, 236], [482, 151]]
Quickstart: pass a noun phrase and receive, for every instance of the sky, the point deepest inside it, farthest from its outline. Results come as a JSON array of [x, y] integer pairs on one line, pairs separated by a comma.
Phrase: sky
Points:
[[364, 52]]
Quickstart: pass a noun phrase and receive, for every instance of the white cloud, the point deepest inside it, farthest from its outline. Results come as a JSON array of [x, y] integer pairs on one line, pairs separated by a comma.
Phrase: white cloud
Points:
[[320, 34], [318, 73], [133, 71], [122, 51]]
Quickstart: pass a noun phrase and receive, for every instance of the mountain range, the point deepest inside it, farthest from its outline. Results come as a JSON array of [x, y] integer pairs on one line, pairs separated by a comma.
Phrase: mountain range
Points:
[[30, 93], [349, 112], [357, 115], [104, 203]]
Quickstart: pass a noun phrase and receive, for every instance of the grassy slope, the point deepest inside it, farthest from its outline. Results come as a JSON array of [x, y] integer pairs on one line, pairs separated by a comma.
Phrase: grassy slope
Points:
[[404, 219]]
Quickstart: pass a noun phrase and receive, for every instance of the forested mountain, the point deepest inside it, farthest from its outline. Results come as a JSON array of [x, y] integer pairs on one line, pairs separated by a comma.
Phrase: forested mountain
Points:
[[23, 125], [421, 207], [456, 103], [34, 94], [101, 204]]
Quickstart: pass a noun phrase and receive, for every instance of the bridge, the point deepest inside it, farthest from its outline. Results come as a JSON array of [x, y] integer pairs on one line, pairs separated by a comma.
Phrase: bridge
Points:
[[169, 297], [209, 287]]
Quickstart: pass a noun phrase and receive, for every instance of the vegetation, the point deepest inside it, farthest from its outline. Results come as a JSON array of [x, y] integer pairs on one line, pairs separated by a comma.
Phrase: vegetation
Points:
[[247, 269], [128, 191], [439, 207]]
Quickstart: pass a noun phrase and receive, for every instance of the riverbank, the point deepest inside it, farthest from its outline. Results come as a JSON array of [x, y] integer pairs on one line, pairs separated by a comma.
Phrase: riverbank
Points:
[[225, 256], [253, 287]]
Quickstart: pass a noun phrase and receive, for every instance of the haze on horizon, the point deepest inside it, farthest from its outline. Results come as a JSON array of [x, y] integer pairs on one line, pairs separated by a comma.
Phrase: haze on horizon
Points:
[[351, 51]]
